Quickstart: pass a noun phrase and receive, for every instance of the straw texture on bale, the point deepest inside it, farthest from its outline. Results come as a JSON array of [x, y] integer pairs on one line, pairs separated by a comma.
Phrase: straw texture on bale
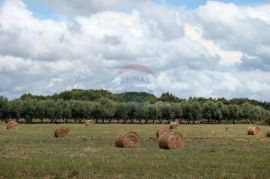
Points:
[[253, 130], [268, 133], [89, 123], [127, 140], [174, 125], [162, 131], [12, 125], [61, 132], [257, 129], [172, 140]]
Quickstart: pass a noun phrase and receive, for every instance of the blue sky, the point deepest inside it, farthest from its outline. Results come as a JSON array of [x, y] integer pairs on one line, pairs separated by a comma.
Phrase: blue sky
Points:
[[41, 11]]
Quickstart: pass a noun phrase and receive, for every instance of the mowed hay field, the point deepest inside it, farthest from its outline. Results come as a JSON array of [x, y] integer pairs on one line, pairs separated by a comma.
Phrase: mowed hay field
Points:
[[211, 151]]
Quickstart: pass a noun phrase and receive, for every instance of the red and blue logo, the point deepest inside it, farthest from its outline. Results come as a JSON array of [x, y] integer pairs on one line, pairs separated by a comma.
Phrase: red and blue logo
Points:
[[134, 77]]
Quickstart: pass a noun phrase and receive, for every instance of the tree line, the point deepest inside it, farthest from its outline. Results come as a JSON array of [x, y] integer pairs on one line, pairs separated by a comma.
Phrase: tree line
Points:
[[111, 110], [139, 97]]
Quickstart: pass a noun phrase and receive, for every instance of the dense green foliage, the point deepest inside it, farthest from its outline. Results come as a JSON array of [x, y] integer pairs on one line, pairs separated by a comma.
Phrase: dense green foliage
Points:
[[105, 107], [138, 97], [267, 120], [76, 94]]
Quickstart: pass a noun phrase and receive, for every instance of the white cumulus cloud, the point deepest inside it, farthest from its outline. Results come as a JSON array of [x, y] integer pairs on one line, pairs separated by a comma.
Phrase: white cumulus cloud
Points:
[[216, 50]]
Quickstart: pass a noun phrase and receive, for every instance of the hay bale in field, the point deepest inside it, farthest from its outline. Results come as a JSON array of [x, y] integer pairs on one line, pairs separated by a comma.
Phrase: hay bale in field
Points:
[[257, 130], [12, 125], [268, 133], [250, 131], [127, 140], [174, 125], [161, 131], [89, 123], [172, 140], [253, 130], [61, 132]]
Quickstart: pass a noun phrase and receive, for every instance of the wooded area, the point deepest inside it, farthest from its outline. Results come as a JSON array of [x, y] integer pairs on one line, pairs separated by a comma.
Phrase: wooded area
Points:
[[131, 107]]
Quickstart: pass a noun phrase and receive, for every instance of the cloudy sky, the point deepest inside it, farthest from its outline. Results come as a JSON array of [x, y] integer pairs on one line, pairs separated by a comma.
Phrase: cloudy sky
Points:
[[194, 48]]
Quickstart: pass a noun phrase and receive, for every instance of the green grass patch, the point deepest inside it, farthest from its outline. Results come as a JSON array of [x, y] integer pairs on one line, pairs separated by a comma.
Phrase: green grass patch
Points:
[[211, 151]]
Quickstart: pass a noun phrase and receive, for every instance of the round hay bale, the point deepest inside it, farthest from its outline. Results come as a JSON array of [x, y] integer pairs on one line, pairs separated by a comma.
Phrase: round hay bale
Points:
[[127, 140], [172, 140], [89, 123], [161, 131], [253, 130], [61, 132], [268, 133], [257, 130], [250, 131], [174, 125], [12, 125]]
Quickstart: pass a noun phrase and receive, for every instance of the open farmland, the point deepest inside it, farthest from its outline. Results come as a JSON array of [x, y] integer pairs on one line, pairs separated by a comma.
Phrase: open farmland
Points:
[[211, 151]]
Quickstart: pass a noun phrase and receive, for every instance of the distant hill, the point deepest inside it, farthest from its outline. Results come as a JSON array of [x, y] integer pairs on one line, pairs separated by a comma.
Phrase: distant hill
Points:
[[76, 94], [139, 97], [93, 95]]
